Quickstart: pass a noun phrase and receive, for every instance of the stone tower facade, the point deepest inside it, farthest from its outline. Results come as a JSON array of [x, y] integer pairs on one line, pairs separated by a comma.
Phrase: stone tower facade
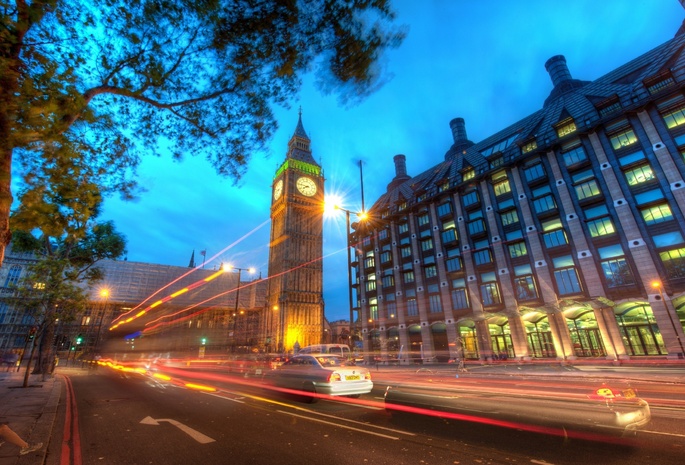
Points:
[[295, 312]]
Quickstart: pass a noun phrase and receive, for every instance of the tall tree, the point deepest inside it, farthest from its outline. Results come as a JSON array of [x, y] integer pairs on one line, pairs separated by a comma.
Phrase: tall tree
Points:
[[56, 222], [111, 80]]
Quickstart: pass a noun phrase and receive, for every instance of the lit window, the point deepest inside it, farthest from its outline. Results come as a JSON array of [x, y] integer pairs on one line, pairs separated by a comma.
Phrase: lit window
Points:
[[657, 214], [518, 249], [674, 262], [675, 118], [639, 175], [623, 139], [469, 174], [509, 217], [566, 128], [502, 187], [529, 146]]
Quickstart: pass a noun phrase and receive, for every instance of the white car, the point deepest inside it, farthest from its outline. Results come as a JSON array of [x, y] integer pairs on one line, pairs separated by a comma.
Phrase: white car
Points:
[[322, 374]]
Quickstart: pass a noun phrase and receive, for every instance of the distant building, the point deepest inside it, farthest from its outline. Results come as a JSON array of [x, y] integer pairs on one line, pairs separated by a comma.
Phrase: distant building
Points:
[[558, 237], [206, 315]]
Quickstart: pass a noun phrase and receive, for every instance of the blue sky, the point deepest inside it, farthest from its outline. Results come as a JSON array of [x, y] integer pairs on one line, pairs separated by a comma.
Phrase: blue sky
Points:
[[481, 60]]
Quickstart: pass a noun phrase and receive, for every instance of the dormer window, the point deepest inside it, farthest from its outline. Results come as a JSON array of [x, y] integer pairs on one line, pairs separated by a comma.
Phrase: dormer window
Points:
[[470, 173], [660, 82], [608, 106], [443, 186], [566, 127], [529, 146]]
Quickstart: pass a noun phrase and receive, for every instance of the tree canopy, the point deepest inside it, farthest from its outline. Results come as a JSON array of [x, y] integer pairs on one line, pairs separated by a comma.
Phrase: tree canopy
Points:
[[109, 81]]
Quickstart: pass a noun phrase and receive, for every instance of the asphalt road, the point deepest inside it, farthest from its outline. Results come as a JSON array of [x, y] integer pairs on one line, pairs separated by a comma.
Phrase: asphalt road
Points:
[[126, 418]]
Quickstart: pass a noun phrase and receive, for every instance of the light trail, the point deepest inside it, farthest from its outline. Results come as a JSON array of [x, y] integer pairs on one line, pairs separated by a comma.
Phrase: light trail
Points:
[[192, 270]]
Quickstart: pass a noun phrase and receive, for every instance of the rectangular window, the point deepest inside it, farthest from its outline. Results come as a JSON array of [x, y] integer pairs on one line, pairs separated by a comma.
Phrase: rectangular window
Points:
[[366, 241], [659, 84], [383, 234], [587, 189], [502, 187], [639, 175], [444, 186], [674, 262], [609, 109], [518, 249], [509, 217], [403, 228], [444, 209], [524, 283], [615, 267], [391, 309], [408, 277], [623, 139], [674, 118], [555, 238], [529, 146], [657, 214], [566, 276], [369, 262], [574, 156], [459, 294], [453, 264], [535, 172], [371, 285], [482, 257], [601, 227], [386, 257], [430, 271], [476, 227], [469, 174], [412, 307], [470, 198], [405, 251], [489, 290], [566, 128], [427, 244], [544, 204], [449, 235], [423, 220], [434, 303], [388, 281]]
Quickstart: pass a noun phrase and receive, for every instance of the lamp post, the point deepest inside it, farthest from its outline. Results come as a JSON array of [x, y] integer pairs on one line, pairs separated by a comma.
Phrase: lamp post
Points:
[[232, 268], [657, 286], [104, 293]]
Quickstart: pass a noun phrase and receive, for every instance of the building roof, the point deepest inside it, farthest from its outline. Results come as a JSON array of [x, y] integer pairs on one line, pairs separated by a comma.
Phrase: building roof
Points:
[[570, 100]]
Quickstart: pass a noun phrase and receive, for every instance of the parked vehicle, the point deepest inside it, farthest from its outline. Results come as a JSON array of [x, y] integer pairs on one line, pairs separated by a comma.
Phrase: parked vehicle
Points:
[[341, 350], [322, 374]]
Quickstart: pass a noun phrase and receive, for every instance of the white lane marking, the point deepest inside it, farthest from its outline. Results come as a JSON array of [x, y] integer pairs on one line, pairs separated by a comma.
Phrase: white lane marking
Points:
[[338, 425], [234, 399], [199, 437], [662, 433]]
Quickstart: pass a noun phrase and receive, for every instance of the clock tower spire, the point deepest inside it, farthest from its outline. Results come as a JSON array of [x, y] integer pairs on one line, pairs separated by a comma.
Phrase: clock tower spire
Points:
[[295, 293]]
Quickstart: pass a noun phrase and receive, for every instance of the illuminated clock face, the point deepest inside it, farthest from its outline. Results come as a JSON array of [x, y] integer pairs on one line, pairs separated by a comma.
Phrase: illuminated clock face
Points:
[[278, 189], [306, 186]]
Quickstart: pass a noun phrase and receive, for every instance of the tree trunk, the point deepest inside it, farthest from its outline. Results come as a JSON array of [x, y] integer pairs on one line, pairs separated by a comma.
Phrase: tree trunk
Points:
[[28, 364]]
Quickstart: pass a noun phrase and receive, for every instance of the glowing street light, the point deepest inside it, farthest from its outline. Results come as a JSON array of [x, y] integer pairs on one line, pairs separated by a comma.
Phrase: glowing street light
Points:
[[230, 268]]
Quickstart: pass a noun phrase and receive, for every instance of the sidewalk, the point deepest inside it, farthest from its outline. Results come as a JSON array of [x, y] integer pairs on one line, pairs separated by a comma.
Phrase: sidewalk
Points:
[[29, 411]]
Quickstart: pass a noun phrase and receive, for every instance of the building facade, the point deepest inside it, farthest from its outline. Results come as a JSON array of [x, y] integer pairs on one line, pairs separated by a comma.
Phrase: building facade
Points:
[[187, 309], [558, 237], [295, 312]]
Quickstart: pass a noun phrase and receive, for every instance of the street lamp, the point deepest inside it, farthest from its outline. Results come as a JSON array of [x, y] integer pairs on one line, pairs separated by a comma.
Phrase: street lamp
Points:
[[362, 216], [657, 285], [232, 268], [104, 293]]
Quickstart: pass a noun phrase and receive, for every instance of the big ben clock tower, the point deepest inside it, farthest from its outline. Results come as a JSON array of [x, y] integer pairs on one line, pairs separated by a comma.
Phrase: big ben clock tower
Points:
[[295, 293]]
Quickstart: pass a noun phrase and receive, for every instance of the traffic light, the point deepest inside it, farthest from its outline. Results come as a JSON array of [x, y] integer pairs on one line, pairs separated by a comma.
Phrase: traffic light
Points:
[[32, 332], [79, 339], [203, 340]]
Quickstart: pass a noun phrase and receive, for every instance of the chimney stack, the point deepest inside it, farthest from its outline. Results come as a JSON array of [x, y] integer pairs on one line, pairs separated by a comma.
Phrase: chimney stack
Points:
[[458, 127], [557, 69], [400, 166]]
